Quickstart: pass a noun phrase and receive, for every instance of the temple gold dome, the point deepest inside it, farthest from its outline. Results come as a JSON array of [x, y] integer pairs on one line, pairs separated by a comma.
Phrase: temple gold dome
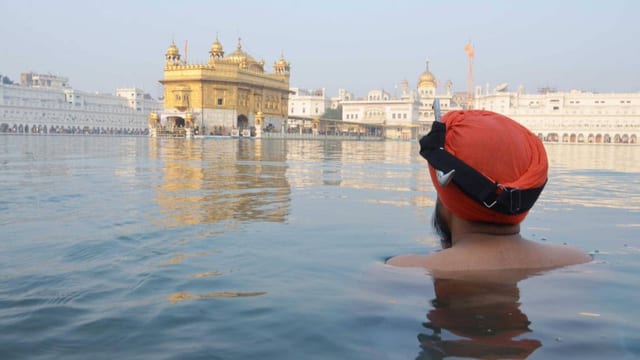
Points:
[[240, 56], [173, 50], [427, 79], [281, 66], [216, 47]]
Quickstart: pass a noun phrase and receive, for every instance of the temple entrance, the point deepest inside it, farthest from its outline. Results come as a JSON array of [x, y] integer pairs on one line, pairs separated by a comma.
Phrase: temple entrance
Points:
[[243, 122], [174, 123]]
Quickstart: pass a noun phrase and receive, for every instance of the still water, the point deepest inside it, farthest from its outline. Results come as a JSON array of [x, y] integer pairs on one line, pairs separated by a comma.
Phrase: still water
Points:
[[136, 248]]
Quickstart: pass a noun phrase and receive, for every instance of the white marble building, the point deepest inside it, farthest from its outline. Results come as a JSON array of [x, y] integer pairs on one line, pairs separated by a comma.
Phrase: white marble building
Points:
[[405, 116], [50, 105], [308, 103], [568, 117], [397, 118]]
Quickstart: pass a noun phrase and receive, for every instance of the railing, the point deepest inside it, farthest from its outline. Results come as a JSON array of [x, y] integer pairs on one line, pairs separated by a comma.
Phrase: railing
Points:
[[279, 135]]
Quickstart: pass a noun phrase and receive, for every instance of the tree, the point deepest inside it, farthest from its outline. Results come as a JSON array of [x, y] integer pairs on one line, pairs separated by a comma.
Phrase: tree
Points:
[[5, 80], [333, 113]]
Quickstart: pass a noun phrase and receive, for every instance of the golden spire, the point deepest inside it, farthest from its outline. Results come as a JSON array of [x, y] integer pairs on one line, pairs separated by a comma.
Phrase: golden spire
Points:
[[281, 66], [173, 54], [427, 79], [216, 51]]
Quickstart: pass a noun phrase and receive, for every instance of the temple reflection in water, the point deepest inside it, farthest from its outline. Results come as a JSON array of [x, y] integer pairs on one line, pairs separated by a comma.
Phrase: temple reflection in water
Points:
[[210, 181], [216, 181]]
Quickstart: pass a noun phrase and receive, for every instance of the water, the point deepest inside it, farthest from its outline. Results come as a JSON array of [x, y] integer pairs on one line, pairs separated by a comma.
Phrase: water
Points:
[[231, 249]]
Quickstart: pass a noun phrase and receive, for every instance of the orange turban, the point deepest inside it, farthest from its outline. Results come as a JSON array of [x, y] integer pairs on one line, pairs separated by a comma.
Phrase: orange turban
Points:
[[499, 148]]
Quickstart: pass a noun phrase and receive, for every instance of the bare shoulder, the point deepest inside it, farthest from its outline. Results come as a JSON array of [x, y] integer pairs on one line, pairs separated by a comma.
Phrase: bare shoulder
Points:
[[431, 261], [523, 254], [564, 255]]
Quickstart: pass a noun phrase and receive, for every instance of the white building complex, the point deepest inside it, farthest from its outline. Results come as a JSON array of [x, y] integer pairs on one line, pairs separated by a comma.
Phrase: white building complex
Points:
[[308, 102], [568, 117], [399, 116], [46, 104], [555, 116]]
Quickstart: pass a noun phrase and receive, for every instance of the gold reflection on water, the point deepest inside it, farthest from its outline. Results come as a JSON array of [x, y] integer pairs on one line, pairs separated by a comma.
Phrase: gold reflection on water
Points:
[[212, 181], [183, 296], [239, 180], [206, 274], [178, 259]]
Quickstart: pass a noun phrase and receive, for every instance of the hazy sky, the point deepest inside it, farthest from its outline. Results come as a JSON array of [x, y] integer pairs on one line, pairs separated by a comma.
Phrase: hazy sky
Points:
[[357, 45]]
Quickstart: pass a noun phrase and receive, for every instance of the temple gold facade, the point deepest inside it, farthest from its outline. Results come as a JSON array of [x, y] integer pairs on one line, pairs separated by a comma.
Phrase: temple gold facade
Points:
[[228, 95]]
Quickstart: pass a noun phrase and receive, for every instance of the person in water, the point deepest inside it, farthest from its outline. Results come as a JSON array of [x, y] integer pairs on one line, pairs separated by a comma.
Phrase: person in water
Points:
[[488, 171]]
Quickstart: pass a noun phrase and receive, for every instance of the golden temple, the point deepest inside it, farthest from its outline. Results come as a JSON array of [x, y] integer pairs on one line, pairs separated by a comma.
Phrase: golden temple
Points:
[[228, 95]]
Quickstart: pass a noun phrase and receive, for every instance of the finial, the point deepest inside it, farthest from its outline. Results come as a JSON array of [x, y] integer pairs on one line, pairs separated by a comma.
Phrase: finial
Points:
[[239, 44], [427, 64]]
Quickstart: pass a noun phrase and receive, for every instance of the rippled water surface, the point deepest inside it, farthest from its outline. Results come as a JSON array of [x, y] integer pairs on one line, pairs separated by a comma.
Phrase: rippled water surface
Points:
[[234, 249]]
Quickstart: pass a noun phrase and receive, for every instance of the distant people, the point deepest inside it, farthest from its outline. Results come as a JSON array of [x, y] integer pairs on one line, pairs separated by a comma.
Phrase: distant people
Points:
[[488, 172]]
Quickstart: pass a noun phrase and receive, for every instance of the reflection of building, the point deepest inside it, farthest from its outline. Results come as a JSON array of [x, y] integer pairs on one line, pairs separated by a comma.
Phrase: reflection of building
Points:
[[221, 96], [46, 104], [568, 117], [222, 181]]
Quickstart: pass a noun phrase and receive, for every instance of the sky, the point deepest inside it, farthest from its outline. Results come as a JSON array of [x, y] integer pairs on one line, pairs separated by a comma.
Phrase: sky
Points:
[[357, 45]]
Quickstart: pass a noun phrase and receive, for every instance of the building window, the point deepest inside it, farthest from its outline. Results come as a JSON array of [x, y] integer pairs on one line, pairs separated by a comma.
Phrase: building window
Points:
[[220, 101]]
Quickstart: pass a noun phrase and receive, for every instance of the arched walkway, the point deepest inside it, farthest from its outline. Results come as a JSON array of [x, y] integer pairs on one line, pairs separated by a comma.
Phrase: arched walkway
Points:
[[553, 137]]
